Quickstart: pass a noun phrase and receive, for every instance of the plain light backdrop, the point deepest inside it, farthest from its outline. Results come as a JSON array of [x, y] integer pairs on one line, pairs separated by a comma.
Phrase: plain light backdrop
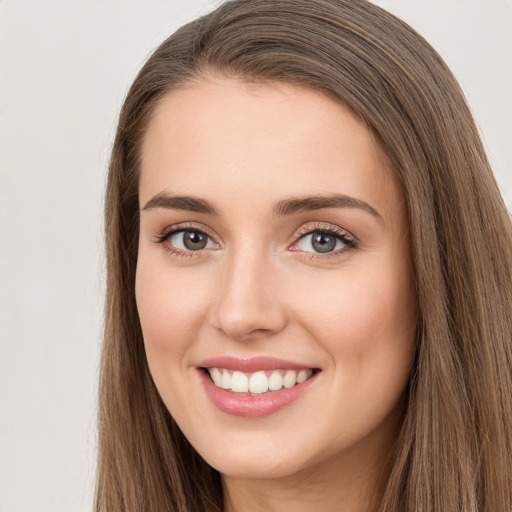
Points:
[[65, 67]]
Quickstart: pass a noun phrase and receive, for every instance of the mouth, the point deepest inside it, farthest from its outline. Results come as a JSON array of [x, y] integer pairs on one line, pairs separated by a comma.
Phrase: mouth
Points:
[[255, 387], [260, 382]]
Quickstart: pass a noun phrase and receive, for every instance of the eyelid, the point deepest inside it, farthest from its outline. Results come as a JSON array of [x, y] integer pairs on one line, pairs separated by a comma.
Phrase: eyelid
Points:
[[347, 238], [163, 236], [322, 226], [186, 226]]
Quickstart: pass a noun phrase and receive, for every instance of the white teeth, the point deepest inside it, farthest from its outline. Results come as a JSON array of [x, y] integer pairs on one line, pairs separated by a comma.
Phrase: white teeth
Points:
[[302, 376], [258, 382], [289, 379], [239, 382], [226, 380], [275, 382], [216, 377]]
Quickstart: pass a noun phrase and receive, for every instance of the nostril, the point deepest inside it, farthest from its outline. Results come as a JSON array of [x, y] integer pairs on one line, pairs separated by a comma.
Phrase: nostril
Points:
[[244, 332], [246, 310]]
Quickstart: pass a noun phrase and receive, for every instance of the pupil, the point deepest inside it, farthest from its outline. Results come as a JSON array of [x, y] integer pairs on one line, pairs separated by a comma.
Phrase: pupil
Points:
[[322, 242], [194, 241]]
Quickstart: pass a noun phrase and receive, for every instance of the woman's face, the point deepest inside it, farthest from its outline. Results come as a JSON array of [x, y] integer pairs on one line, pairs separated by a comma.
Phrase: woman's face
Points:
[[273, 248]]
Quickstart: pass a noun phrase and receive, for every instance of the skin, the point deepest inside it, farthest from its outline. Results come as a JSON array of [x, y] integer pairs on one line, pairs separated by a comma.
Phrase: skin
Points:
[[259, 288]]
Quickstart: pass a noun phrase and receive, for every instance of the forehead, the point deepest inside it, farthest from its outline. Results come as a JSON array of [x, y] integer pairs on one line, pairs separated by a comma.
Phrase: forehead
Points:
[[272, 141]]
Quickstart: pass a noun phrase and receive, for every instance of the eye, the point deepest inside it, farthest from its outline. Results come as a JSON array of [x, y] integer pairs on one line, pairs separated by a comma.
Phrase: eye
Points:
[[185, 240], [190, 240], [323, 241], [319, 241]]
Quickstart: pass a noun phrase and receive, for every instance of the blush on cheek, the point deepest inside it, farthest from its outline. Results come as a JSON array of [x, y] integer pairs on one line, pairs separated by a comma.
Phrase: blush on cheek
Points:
[[369, 321], [170, 310]]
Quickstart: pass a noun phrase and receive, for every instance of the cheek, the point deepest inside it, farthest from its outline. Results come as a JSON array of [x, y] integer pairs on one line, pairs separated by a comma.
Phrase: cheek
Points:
[[369, 330], [367, 323], [171, 306]]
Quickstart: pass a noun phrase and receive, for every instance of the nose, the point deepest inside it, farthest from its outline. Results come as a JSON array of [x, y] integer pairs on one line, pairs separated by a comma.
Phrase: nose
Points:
[[248, 304]]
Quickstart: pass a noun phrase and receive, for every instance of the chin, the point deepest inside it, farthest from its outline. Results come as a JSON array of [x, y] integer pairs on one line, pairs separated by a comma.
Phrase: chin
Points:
[[260, 468], [256, 462]]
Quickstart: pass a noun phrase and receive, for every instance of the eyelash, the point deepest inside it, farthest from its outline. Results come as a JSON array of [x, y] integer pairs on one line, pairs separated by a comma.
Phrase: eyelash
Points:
[[348, 240], [172, 230]]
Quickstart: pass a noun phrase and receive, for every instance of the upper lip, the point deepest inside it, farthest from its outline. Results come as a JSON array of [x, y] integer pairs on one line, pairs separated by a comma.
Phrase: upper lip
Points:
[[253, 364]]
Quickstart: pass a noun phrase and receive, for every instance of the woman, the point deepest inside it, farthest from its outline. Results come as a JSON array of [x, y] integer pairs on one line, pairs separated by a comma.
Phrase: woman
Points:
[[309, 275]]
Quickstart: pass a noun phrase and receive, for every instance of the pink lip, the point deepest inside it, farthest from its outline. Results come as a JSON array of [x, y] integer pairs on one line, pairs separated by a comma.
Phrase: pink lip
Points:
[[253, 364], [252, 406]]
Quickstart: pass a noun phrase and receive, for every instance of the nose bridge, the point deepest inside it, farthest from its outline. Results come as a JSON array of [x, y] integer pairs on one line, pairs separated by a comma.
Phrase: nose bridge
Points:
[[248, 303]]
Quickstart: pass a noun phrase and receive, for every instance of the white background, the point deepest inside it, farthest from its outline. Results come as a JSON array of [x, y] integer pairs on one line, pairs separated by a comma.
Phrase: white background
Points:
[[64, 69]]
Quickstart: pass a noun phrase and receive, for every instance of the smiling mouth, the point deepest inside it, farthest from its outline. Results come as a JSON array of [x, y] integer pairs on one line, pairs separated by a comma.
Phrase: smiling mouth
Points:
[[257, 383]]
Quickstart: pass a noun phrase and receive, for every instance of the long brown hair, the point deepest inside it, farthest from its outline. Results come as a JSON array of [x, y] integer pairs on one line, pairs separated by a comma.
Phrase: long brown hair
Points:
[[455, 449]]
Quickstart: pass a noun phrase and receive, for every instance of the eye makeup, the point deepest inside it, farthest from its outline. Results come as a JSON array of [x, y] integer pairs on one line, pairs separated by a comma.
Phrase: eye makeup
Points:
[[322, 237], [165, 236]]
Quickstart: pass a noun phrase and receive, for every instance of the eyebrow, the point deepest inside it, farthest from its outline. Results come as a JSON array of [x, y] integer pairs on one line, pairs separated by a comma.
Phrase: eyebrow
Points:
[[188, 203], [281, 208], [310, 203]]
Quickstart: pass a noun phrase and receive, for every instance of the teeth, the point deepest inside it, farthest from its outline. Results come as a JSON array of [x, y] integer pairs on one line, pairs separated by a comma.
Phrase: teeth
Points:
[[239, 382], [258, 382], [226, 380], [216, 377], [302, 376], [275, 382], [290, 379]]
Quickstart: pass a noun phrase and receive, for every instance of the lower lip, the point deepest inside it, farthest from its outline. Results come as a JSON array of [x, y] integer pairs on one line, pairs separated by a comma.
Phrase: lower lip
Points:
[[253, 406]]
